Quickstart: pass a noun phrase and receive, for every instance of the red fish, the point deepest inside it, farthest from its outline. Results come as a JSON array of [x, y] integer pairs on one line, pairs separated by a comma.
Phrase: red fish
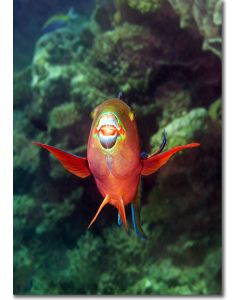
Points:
[[114, 159]]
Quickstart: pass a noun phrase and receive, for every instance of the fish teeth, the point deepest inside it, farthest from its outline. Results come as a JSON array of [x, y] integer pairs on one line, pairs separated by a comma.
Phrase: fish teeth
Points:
[[108, 120]]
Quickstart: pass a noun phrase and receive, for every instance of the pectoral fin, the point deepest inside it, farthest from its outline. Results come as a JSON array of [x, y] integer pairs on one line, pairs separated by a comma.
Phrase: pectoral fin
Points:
[[74, 164], [153, 163]]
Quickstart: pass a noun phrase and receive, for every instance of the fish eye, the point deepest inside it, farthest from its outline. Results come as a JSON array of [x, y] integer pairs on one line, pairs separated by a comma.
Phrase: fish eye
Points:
[[131, 115], [93, 113]]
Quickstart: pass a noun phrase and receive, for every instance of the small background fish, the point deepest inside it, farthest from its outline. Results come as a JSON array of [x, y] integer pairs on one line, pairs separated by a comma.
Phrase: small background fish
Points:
[[59, 20]]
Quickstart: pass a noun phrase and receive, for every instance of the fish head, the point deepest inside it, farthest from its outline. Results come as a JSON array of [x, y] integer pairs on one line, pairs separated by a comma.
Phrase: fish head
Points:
[[113, 122]]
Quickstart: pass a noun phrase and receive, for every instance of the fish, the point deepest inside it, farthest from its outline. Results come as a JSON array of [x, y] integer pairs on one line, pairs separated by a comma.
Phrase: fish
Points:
[[59, 21], [115, 161]]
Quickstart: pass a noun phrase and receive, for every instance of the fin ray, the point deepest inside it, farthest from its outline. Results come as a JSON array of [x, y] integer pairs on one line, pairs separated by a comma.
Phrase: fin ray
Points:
[[121, 209], [105, 201]]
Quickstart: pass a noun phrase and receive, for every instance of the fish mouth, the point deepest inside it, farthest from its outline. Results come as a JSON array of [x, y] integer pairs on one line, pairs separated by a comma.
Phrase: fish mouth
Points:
[[108, 130]]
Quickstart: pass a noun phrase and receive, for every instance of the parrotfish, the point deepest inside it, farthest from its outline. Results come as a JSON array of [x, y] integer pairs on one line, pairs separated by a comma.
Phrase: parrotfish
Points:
[[115, 161], [58, 21]]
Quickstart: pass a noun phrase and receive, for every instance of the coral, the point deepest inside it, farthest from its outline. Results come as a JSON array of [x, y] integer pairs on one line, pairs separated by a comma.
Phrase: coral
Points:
[[209, 24], [166, 278], [21, 208], [64, 115], [22, 92], [22, 268], [88, 86], [146, 6], [103, 14], [81, 273], [207, 15], [25, 154], [52, 65], [212, 270], [182, 130], [113, 49], [215, 110], [183, 8], [173, 100], [53, 212], [161, 275]]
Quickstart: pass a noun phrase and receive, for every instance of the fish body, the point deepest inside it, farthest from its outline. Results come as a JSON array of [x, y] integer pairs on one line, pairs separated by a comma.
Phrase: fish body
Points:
[[114, 159], [114, 153], [58, 21]]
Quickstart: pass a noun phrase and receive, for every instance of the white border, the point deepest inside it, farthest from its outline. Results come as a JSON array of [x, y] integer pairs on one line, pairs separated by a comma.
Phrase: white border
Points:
[[6, 167], [231, 153], [232, 149]]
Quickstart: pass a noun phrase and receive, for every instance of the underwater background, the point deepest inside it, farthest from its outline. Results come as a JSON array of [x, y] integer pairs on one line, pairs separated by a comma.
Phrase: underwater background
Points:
[[165, 56]]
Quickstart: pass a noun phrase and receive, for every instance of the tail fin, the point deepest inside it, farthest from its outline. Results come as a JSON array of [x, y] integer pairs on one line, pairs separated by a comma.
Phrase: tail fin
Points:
[[120, 207], [121, 210]]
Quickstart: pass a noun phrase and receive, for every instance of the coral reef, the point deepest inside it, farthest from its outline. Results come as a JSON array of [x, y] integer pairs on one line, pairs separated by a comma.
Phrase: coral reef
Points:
[[64, 115], [25, 156], [145, 6], [207, 15], [22, 87], [183, 130], [166, 57]]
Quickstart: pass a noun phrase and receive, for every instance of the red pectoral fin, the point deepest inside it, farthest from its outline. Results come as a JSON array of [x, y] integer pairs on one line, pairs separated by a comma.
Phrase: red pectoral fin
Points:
[[153, 163], [74, 164]]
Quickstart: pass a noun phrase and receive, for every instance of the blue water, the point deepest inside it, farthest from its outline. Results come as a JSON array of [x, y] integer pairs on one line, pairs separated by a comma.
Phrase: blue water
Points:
[[28, 19]]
